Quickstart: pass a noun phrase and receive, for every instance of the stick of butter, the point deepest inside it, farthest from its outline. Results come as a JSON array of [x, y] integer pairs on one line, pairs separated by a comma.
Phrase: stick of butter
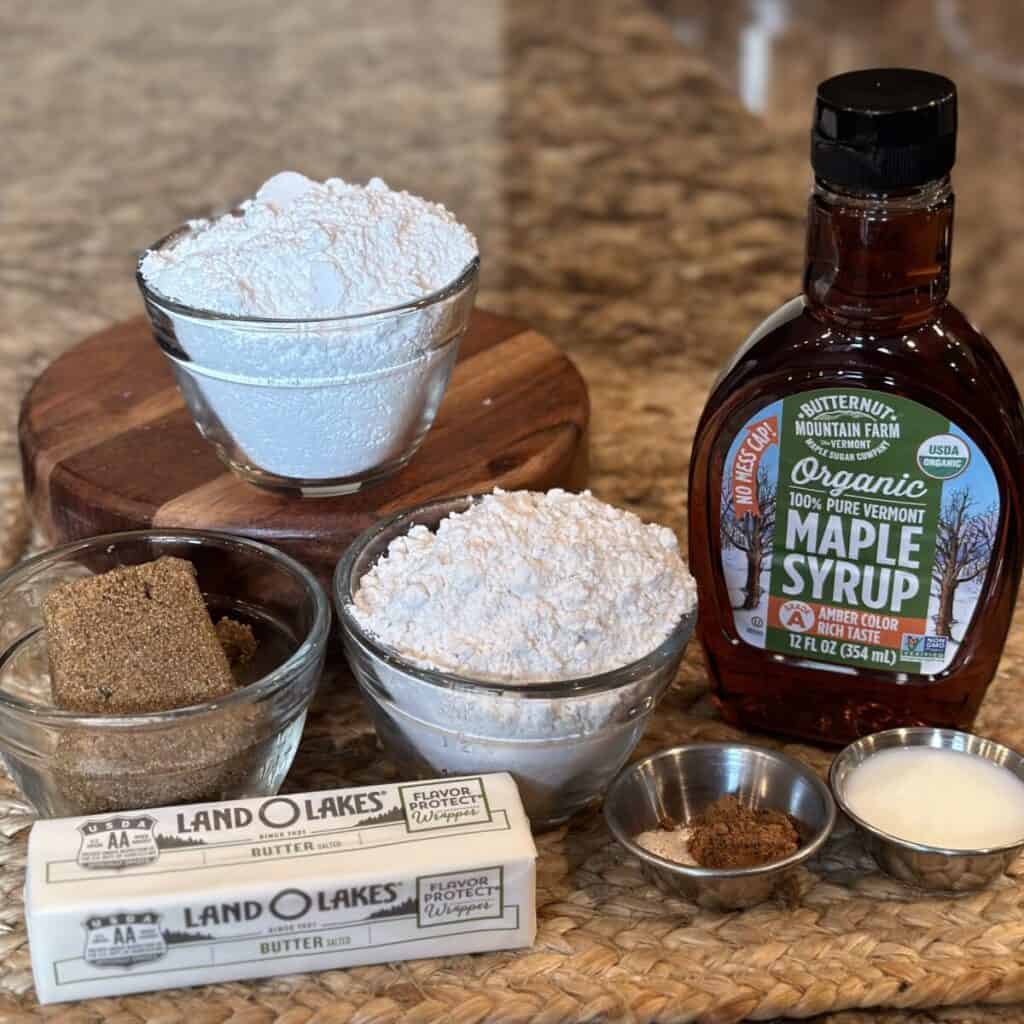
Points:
[[205, 893]]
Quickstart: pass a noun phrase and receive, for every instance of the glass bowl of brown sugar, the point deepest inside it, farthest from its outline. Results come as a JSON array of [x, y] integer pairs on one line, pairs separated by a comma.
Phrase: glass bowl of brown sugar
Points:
[[240, 744]]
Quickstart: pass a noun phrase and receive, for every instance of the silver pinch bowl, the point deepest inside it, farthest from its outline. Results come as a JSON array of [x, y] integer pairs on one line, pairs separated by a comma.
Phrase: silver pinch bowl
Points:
[[927, 867], [679, 783]]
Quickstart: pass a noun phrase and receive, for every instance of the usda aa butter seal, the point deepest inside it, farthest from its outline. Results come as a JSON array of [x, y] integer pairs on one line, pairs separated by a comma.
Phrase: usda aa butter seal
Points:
[[121, 940], [120, 841], [856, 527]]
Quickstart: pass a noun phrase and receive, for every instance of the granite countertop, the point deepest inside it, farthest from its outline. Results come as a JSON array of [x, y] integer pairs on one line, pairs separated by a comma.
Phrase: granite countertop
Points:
[[625, 200], [636, 175]]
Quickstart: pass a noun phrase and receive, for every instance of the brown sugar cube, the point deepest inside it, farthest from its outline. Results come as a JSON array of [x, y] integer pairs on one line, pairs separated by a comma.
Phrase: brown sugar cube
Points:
[[238, 640], [134, 640]]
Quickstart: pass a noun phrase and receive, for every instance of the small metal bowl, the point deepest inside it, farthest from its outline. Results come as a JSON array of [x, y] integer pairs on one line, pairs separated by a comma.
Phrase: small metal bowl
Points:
[[927, 867], [679, 783]]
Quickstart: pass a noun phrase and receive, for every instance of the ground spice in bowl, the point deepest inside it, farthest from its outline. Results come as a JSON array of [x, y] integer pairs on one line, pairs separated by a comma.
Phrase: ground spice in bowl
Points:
[[726, 835], [731, 835]]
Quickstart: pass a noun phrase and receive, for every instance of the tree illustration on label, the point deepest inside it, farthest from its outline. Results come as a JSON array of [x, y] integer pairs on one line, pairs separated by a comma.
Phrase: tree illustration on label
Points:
[[749, 526], [963, 548]]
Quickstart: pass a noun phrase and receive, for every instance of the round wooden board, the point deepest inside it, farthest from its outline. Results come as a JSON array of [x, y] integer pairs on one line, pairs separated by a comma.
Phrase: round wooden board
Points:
[[107, 444]]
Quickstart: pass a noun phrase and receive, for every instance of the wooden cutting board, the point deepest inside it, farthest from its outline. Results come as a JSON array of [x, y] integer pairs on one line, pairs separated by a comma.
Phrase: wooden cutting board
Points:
[[107, 444]]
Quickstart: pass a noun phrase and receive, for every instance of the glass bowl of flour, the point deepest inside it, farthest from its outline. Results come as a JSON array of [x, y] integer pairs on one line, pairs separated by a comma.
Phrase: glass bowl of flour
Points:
[[312, 330], [521, 632]]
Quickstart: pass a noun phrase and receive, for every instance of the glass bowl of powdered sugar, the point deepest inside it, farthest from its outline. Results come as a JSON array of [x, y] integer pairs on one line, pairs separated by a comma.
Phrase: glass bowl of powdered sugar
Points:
[[521, 632], [313, 329]]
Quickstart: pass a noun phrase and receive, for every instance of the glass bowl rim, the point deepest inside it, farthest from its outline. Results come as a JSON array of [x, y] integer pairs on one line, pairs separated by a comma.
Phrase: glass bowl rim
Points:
[[465, 279], [278, 678], [695, 871], [841, 764], [578, 686]]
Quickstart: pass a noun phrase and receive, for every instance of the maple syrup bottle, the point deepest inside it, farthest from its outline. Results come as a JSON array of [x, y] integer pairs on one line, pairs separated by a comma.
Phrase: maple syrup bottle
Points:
[[855, 484]]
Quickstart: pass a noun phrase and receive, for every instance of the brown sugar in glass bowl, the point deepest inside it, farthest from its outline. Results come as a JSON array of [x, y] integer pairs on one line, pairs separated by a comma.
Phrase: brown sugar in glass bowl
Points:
[[239, 744]]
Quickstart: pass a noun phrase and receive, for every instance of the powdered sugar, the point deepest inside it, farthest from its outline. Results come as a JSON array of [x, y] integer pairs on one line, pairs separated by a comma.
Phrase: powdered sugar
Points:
[[314, 403], [527, 587], [302, 249]]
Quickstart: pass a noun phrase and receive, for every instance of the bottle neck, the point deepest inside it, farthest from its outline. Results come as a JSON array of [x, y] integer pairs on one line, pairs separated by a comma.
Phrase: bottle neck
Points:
[[878, 263]]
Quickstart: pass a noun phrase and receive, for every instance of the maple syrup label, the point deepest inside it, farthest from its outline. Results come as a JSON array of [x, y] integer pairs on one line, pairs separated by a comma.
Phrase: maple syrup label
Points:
[[856, 529]]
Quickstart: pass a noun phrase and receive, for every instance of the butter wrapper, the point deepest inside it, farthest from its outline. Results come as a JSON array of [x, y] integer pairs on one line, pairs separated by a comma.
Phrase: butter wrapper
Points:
[[205, 893]]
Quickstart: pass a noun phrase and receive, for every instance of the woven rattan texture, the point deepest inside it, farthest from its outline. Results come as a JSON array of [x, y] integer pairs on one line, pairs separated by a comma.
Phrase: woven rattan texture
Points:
[[611, 947]]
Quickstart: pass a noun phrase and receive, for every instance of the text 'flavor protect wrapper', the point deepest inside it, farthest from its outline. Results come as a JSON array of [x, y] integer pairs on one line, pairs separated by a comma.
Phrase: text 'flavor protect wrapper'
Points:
[[205, 893]]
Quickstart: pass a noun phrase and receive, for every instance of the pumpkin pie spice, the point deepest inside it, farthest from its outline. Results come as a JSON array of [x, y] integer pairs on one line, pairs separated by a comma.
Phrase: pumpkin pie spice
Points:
[[730, 835], [725, 835]]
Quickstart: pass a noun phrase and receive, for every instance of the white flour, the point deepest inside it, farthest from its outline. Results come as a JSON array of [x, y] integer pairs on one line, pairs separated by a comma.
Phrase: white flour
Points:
[[304, 249], [316, 401], [525, 587], [528, 587]]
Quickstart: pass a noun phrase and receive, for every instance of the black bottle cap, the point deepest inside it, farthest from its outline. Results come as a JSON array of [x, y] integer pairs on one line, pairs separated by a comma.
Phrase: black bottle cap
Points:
[[884, 128]]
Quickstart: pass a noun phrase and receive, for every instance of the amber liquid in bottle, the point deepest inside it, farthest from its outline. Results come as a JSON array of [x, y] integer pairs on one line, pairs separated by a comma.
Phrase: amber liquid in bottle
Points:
[[873, 315]]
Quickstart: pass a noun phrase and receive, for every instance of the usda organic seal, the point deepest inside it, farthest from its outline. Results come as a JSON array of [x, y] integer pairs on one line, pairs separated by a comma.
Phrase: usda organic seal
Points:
[[943, 456]]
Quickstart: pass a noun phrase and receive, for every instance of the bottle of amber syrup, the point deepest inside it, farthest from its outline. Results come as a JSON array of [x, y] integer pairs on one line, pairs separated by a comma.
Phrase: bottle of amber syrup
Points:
[[855, 486]]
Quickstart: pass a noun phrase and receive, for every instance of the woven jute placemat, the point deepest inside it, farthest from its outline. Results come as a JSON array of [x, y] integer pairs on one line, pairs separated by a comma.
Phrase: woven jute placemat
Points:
[[610, 947]]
